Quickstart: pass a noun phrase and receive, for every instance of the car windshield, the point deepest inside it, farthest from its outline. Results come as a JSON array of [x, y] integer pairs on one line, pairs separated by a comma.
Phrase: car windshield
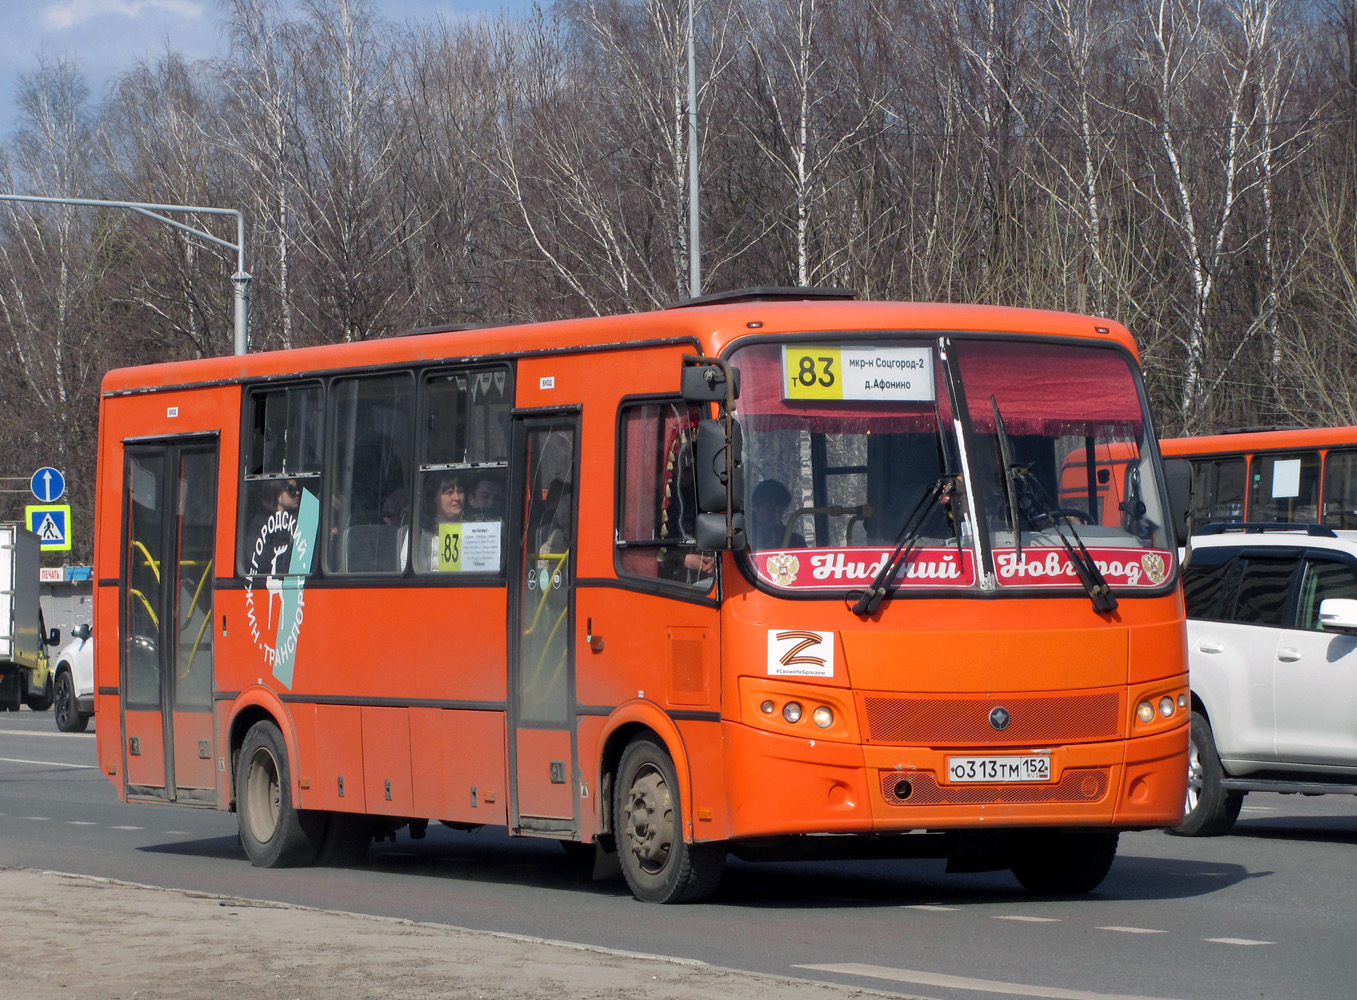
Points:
[[854, 448]]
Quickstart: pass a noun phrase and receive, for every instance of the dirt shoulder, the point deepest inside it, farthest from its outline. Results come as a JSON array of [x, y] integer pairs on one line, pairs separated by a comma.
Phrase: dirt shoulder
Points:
[[70, 935]]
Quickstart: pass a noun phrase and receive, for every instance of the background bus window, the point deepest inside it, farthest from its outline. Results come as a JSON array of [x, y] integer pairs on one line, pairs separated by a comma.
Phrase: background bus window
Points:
[[1217, 490], [658, 496], [369, 473], [1340, 489], [1285, 488]]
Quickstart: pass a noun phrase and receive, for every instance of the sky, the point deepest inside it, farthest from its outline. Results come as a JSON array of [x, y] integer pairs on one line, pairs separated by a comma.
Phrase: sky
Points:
[[105, 37]]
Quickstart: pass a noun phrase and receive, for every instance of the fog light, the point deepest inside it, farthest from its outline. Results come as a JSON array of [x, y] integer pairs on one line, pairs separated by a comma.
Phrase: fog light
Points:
[[1145, 712], [1182, 701], [1166, 706], [767, 708], [823, 717], [791, 712]]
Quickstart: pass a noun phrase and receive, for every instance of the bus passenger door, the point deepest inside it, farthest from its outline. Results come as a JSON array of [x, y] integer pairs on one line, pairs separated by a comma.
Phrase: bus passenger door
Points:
[[542, 664], [169, 524]]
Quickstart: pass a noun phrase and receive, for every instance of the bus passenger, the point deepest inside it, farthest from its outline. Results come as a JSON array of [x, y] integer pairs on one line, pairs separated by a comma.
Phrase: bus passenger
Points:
[[769, 505], [487, 498], [449, 506]]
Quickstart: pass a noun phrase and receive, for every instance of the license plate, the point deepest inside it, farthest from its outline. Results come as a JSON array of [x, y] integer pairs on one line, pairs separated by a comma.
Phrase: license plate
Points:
[[1025, 768]]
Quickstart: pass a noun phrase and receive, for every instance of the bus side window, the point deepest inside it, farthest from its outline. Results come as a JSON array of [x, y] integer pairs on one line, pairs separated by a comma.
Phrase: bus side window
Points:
[[282, 441], [369, 473], [658, 496]]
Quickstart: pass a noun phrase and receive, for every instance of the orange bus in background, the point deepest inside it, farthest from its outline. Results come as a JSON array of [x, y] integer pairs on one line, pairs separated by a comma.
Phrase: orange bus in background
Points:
[[726, 578], [1282, 475]]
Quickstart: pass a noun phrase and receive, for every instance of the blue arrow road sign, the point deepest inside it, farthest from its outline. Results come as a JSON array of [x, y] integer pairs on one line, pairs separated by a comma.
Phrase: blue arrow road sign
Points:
[[47, 484]]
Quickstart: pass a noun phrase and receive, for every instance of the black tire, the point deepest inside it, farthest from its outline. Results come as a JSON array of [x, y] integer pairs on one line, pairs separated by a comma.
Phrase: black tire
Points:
[[273, 833], [659, 866], [42, 700], [346, 840], [1210, 810], [67, 715], [1064, 863]]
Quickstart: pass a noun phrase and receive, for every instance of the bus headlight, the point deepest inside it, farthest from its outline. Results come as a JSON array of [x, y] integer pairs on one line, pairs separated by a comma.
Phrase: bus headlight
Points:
[[1166, 706], [792, 711], [767, 707], [1145, 712], [823, 717]]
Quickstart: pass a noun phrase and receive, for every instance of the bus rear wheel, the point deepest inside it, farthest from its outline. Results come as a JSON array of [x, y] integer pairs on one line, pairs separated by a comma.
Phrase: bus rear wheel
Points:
[[273, 833], [659, 866], [1058, 863]]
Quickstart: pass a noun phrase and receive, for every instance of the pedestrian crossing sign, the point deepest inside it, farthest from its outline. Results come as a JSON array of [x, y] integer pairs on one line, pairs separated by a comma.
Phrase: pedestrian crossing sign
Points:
[[51, 522]]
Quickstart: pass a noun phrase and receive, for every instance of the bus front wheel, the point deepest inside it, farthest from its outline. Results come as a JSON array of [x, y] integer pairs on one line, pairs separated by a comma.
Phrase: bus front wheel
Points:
[[659, 866], [273, 833]]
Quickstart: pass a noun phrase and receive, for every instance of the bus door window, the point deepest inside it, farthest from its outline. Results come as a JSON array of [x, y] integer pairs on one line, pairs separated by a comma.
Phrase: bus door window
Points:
[[548, 540], [1285, 488], [1340, 489], [369, 463]]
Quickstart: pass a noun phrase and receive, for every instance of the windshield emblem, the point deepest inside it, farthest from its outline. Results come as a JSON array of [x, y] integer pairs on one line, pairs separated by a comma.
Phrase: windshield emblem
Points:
[[999, 717]]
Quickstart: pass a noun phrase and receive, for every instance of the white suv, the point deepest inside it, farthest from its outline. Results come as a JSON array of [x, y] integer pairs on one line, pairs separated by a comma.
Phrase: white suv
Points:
[[1272, 651], [73, 682]]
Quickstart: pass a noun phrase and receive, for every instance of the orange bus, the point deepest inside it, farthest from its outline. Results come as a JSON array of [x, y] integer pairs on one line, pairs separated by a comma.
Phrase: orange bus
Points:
[[772, 574], [1299, 475]]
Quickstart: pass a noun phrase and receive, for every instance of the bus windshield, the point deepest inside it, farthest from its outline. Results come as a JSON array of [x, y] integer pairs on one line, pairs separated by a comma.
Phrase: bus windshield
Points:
[[854, 448]]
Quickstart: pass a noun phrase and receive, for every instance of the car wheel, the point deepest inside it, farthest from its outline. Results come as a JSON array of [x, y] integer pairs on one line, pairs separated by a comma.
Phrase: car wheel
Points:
[[273, 833], [1064, 863], [67, 715], [1210, 810], [659, 866]]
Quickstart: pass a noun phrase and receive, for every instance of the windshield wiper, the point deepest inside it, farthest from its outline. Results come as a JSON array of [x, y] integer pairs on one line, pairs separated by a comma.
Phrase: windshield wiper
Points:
[[1094, 583], [905, 544]]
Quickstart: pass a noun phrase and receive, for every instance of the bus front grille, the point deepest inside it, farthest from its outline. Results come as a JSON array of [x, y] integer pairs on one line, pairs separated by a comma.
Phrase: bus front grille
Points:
[[966, 720]]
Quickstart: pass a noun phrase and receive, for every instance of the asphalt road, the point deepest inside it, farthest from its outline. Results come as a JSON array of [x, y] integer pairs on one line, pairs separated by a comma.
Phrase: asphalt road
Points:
[[1266, 912]]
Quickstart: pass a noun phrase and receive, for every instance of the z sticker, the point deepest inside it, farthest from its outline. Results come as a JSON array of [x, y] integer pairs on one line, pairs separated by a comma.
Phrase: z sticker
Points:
[[800, 653]]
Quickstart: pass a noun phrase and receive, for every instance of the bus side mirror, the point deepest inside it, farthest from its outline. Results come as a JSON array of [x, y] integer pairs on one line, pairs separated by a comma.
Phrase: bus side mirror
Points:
[[718, 467], [707, 383], [81, 631], [1178, 481], [54, 637], [710, 532]]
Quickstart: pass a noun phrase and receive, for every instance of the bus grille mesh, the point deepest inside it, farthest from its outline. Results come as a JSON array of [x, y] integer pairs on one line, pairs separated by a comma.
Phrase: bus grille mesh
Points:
[[964, 720], [1079, 784]]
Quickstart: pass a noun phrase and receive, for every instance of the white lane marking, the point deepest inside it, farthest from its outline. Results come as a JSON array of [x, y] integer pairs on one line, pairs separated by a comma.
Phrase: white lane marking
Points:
[[38, 732], [49, 763], [39, 819], [1030, 920], [1134, 930], [129, 828], [1244, 942], [81, 822], [932, 908], [966, 983]]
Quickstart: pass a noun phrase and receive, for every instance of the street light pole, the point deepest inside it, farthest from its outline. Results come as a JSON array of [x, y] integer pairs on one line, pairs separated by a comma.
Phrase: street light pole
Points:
[[694, 189], [240, 280]]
